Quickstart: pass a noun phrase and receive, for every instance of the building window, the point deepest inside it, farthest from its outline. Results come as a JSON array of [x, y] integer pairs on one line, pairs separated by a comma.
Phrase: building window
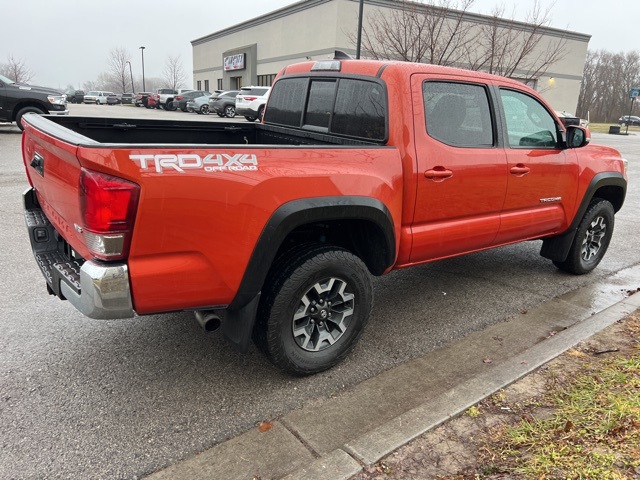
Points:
[[236, 83], [266, 80], [206, 85], [199, 85], [219, 84]]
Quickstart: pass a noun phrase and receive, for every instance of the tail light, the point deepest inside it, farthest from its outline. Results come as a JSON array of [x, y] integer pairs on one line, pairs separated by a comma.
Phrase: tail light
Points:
[[250, 99], [108, 205], [179, 97]]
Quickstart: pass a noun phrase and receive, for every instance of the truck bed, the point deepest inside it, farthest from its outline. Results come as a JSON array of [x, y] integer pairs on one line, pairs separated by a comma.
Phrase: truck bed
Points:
[[89, 131]]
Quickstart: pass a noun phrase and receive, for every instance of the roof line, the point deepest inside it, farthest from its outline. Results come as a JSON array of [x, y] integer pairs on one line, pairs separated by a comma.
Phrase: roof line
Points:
[[308, 4]]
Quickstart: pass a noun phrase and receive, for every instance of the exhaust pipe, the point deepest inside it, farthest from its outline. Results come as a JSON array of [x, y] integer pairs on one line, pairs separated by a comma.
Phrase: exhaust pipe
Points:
[[208, 320]]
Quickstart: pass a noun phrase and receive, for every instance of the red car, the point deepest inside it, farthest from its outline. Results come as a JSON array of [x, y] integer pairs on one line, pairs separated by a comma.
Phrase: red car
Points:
[[152, 101]]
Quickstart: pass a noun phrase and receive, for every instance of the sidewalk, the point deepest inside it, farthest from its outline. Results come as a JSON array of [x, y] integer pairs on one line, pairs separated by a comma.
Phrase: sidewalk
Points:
[[337, 438]]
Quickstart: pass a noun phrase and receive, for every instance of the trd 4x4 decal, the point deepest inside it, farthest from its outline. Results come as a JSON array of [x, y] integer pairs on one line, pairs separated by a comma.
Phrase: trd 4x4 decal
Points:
[[214, 162]]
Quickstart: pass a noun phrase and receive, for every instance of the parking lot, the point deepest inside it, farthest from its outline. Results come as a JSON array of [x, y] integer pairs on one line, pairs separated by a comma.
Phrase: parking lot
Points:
[[130, 111], [83, 398]]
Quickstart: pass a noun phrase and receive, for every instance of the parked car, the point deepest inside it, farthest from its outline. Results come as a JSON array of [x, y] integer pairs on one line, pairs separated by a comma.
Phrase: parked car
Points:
[[75, 96], [200, 105], [152, 101], [631, 120], [224, 103], [272, 232], [568, 118], [250, 102], [127, 98], [180, 100], [141, 99], [18, 99], [99, 97], [113, 99]]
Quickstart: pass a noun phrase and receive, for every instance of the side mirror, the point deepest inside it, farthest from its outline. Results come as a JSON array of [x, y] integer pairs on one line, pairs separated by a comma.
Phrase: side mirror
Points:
[[577, 136]]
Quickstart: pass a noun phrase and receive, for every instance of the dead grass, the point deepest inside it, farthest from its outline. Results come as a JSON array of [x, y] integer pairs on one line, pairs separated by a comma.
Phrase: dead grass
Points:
[[576, 418]]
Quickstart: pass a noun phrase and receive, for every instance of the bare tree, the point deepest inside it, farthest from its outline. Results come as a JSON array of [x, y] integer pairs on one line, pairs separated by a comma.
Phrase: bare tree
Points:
[[441, 32], [173, 73], [513, 49], [118, 69], [16, 70], [606, 81], [429, 31]]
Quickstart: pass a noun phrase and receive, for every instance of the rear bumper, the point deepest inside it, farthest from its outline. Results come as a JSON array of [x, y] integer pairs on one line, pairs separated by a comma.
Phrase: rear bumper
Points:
[[248, 112], [98, 290]]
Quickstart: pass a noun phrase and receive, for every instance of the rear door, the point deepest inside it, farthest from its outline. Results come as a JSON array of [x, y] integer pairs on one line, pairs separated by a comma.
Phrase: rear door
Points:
[[461, 174], [542, 184]]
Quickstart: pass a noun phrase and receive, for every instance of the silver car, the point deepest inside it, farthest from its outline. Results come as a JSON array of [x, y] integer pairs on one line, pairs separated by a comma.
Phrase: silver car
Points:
[[200, 105]]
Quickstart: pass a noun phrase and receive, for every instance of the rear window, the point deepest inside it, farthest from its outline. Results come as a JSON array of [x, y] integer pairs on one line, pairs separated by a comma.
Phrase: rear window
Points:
[[257, 91], [344, 106]]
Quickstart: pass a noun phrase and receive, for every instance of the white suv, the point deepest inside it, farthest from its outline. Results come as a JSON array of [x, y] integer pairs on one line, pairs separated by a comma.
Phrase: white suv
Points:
[[98, 97], [250, 102]]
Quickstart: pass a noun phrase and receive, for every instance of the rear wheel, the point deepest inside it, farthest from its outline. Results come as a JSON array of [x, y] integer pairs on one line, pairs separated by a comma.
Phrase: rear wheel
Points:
[[25, 110], [229, 111], [204, 109], [591, 240], [314, 308], [250, 119]]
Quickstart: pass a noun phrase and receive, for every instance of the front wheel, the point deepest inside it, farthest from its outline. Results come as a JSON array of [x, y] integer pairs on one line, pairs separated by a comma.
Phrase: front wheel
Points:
[[591, 240], [314, 309], [25, 110], [250, 119]]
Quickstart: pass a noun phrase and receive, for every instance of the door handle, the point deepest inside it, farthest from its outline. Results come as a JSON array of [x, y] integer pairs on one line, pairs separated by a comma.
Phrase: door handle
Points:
[[438, 173], [520, 169]]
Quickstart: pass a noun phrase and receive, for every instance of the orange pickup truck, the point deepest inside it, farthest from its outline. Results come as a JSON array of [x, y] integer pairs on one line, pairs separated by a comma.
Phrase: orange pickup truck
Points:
[[272, 231]]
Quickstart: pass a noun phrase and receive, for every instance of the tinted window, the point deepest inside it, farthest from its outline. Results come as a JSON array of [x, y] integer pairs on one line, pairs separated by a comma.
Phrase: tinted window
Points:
[[360, 110], [529, 124], [458, 114], [286, 102], [320, 104]]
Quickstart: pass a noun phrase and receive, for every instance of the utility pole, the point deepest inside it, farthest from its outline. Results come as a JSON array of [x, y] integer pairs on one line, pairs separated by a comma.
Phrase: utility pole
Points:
[[133, 89], [359, 43], [144, 88]]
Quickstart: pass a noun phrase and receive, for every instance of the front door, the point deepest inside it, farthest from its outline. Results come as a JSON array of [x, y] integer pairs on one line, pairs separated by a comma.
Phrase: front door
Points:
[[461, 168], [542, 176]]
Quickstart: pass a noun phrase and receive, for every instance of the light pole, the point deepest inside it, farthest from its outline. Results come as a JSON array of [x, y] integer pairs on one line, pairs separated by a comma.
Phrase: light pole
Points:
[[144, 89], [131, 73], [359, 42]]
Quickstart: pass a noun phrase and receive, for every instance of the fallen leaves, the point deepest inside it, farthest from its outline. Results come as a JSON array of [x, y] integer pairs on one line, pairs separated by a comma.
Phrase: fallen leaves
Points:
[[265, 427]]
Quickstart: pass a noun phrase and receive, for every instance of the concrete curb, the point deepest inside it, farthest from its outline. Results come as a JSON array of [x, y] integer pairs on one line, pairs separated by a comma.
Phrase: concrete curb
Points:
[[371, 447], [380, 415]]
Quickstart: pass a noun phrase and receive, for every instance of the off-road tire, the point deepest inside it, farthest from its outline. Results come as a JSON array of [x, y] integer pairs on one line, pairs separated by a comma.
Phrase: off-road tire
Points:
[[591, 240], [296, 278]]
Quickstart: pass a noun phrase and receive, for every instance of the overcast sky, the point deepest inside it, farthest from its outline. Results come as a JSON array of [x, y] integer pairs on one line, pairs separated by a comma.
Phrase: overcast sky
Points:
[[68, 42]]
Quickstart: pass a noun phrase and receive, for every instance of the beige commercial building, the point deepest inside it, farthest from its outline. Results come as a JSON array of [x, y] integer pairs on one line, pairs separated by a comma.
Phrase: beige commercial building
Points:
[[253, 52]]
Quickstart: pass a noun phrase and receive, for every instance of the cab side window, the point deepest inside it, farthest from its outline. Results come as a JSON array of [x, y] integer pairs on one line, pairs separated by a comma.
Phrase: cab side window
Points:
[[458, 114], [529, 124]]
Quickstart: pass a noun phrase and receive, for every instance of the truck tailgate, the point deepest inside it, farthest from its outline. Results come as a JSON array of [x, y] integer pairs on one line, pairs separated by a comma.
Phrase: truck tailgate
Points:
[[54, 171]]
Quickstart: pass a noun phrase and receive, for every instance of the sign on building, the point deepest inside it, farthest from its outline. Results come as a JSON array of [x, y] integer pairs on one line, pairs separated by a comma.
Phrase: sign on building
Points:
[[234, 62]]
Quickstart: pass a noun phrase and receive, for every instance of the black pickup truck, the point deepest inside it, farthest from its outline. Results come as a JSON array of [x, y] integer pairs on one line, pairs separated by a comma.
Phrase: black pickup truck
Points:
[[17, 99]]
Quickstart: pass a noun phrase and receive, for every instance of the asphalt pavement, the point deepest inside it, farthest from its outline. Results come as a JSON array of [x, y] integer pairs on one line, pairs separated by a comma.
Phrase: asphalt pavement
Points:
[[83, 398]]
